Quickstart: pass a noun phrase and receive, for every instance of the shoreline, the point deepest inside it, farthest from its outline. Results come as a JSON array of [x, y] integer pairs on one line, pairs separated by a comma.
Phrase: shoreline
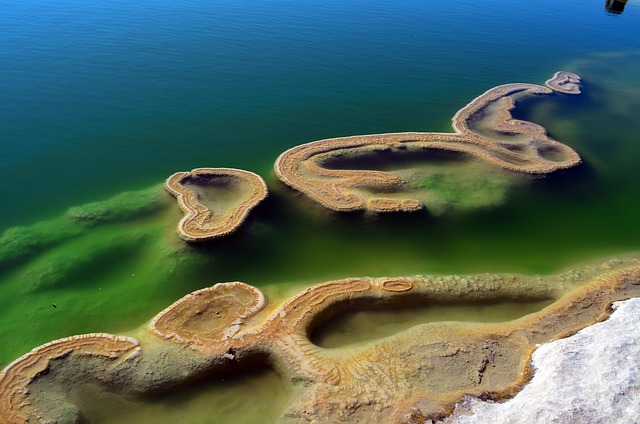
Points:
[[494, 358]]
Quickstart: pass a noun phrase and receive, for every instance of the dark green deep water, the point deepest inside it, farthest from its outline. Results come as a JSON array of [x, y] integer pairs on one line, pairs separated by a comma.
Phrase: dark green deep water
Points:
[[101, 101]]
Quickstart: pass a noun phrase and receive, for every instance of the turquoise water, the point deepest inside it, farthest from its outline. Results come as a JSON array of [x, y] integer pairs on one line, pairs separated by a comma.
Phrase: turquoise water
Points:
[[102, 98]]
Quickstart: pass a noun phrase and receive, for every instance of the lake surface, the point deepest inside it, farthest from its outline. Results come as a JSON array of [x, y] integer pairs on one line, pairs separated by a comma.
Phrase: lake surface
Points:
[[101, 101]]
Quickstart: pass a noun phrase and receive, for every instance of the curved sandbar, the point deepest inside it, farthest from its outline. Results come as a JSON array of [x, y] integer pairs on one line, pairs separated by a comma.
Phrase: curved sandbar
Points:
[[206, 222], [413, 376], [564, 82], [528, 150]]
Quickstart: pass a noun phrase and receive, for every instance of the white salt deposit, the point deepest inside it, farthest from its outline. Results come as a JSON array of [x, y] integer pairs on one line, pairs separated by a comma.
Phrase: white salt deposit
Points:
[[591, 377]]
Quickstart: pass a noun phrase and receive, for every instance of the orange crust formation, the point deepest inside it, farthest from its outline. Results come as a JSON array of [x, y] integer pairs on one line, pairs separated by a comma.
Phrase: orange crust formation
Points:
[[15, 379], [413, 376], [530, 150], [200, 223]]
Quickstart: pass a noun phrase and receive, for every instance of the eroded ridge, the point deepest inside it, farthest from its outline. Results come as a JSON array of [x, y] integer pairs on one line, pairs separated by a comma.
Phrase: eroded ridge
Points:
[[413, 376], [15, 379], [217, 219], [527, 149], [564, 82]]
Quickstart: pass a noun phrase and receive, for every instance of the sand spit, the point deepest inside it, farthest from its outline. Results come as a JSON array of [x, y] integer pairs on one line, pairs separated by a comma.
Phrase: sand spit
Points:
[[413, 376], [205, 222], [521, 147]]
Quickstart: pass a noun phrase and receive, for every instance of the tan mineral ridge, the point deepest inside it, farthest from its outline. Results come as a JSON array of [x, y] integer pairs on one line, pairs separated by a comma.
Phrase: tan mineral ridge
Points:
[[415, 375], [236, 193], [524, 147], [564, 82]]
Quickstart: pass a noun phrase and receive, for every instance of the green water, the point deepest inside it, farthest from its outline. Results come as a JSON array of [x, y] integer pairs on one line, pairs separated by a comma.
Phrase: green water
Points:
[[260, 397], [102, 102], [442, 181], [111, 265]]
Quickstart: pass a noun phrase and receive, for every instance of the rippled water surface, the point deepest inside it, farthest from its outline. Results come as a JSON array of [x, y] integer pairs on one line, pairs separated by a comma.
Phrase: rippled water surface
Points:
[[101, 101]]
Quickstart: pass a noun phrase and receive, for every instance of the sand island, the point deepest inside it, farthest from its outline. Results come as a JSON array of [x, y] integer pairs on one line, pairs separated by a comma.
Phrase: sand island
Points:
[[483, 129], [412, 376], [215, 201]]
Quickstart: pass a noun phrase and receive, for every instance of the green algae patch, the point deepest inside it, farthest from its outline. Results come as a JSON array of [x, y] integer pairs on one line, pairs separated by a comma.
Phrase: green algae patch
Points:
[[442, 181], [18, 244], [461, 186], [123, 207], [76, 263], [92, 272]]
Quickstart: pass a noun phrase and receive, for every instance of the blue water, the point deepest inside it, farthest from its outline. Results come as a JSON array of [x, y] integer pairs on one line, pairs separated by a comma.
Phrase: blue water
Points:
[[101, 97]]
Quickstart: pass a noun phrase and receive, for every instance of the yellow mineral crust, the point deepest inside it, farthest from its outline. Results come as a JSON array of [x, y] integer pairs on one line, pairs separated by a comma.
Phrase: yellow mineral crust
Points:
[[15, 406], [530, 150], [413, 376], [208, 316], [201, 222]]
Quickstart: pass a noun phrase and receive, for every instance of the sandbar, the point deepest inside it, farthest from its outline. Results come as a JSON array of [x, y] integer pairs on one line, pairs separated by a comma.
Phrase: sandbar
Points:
[[207, 219], [523, 147]]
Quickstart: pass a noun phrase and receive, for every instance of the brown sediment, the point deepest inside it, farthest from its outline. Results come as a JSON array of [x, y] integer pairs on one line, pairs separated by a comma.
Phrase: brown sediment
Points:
[[413, 376], [303, 167], [205, 223]]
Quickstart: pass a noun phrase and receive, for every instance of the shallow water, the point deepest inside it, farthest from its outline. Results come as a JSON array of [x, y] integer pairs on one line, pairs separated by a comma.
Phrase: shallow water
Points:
[[103, 99], [220, 195], [260, 397], [359, 327]]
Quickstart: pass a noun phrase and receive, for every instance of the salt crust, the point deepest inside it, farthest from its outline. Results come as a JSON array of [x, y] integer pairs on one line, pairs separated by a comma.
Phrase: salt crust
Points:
[[591, 377]]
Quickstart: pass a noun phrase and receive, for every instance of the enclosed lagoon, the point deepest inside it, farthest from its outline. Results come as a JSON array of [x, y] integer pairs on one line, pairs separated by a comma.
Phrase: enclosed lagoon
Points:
[[94, 119]]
